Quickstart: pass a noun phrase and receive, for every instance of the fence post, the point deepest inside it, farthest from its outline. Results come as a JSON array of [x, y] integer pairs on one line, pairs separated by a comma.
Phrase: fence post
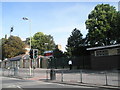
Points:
[[2, 71], [106, 82], [46, 75], [80, 76], [62, 76], [8, 71], [33, 71]]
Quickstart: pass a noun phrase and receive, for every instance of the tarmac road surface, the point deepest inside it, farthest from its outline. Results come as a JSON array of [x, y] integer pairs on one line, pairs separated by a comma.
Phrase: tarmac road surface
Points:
[[20, 84]]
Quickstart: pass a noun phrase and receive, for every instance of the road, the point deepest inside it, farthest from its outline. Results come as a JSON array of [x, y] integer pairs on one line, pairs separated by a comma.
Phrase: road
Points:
[[69, 76], [21, 84]]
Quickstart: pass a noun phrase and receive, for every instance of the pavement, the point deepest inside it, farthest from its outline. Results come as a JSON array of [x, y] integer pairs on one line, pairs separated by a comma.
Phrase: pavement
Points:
[[43, 78], [75, 83], [88, 85]]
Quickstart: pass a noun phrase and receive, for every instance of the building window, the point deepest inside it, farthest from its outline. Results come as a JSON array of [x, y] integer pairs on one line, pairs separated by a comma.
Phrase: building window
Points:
[[101, 53], [107, 52], [112, 51], [118, 50]]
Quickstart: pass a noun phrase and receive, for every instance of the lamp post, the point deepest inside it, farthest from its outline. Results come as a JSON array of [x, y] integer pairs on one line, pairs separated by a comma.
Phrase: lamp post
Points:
[[24, 18]]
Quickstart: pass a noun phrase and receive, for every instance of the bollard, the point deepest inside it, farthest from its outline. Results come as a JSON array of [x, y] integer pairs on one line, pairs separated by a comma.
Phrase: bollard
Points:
[[62, 76], [52, 74], [106, 78], [80, 76]]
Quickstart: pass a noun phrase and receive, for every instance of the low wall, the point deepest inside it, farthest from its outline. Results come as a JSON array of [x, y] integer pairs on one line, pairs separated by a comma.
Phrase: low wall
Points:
[[105, 62]]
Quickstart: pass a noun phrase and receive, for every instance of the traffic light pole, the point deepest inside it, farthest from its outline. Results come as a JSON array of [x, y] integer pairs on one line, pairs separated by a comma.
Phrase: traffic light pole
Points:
[[33, 55], [30, 67]]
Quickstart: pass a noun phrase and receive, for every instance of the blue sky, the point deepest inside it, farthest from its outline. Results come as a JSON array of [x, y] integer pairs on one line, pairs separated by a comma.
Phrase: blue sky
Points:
[[55, 18]]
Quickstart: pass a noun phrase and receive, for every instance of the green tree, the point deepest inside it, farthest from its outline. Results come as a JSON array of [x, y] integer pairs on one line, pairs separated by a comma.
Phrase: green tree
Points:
[[117, 28], [42, 42], [27, 41], [1, 49], [101, 25], [12, 46], [57, 53], [75, 43]]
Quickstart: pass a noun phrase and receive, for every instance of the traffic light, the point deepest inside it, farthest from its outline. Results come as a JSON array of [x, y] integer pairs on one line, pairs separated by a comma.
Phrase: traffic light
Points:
[[35, 53], [31, 53], [11, 29]]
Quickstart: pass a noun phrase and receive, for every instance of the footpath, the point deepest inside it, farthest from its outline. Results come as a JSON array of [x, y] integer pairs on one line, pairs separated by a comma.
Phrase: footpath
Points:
[[42, 76], [46, 78], [75, 83]]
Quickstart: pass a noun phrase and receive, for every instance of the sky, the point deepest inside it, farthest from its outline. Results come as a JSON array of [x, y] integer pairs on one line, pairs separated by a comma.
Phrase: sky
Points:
[[52, 18]]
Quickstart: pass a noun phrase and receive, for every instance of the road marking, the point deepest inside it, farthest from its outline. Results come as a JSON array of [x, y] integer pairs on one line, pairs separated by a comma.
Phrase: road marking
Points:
[[73, 86], [19, 87]]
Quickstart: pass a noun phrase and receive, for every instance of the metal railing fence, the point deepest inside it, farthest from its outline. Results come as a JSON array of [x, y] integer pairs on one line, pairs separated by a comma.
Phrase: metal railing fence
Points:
[[87, 76], [65, 75]]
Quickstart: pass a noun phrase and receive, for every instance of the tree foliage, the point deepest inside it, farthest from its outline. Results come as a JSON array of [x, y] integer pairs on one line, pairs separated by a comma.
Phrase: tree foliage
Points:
[[117, 28], [12, 46], [75, 43], [57, 53], [101, 25], [42, 42]]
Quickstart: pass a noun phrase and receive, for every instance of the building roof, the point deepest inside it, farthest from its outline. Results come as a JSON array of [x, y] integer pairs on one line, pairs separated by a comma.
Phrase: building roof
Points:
[[104, 47], [26, 57], [17, 58]]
